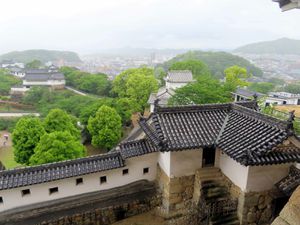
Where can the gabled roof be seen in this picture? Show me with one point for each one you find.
(289, 183)
(136, 148)
(179, 76)
(246, 135)
(163, 94)
(247, 93)
(56, 171)
(43, 76)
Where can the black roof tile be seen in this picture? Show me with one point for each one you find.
(56, 171)
(289, 183)
(136, 148)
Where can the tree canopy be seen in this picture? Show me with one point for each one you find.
(34, 64)
(137, 85)
(105, 127)
(7, 81)
(59, 120)
(197, 67)
(25, 137)
(205, 90)
(262, 87)
(57, 146)
(235, 77)
(97, 84)
(292, 88)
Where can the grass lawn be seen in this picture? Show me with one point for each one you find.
(288, 108)
(7, 157)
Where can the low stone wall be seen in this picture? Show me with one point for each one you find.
(177, 193)
(255, 208)
(98, 208)
(290, 215)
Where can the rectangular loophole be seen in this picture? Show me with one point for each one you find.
(146, 170)
(79, 181)
(103, 180)
(53, 190)
(25, 192)
(125, 171)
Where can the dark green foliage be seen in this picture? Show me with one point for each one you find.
(59, 120)
(281, 46)
(276, 81)
(105, 127)
(136, 85)
(97, 84)
(8, 124)
(42, 55)
(292, 88)
(57, 146)
(205, 90)
(216, 61)
(197, 67)
(44, 100)
(26, 136)
(7, 81)
(34, 64)
(262, 87)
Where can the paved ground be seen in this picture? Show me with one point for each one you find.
(149, 218)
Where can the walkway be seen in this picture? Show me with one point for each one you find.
(17, 114)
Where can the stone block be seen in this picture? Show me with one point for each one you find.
(279, 221)
(291, 214)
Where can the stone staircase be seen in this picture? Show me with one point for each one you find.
(215, 202)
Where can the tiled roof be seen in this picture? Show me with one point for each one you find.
(247, 136)
(136, 148)
(56, 171)
(247, 93)
(179, 76)
(43, 76)
(163, 95)
(288, 184)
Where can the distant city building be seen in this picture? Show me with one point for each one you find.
(175, 79)
(288, 4)
(178, 78)
(10, 63)
(283, 98)
(39, 77)
(242, 94)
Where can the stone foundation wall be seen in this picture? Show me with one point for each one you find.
(255, 208)
(97, 208)
(177, 193)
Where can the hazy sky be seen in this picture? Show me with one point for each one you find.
(87, 26)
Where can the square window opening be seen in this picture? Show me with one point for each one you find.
(146, 170)
(1, 200)
(25, 192)
(53, 190)
(103, 180)
(79, 181)
(125, 171)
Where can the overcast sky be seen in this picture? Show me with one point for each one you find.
(87, 26)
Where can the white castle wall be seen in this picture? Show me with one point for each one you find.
(237, 173)
(12, 198)
(180, 163)
(263, 178)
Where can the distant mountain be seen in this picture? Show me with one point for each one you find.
(42, 55)
(216, 61)
(282, 46)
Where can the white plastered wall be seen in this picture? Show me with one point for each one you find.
(67, 187)
(236, 172)
(262, 178)
(180, 163)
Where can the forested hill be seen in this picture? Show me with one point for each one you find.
(216, 61)
(42, 55)
(280, 46)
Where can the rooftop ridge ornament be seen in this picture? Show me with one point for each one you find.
(156, 104)
(290, 126)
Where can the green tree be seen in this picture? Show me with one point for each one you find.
(57, 146)
(235, 77)
(35, 64)
(125, 107)
(25, 137)
(137, 85)
(292, 88)
(205, 90)
(262, 87)
(59, 120)
(197, 67)
(7, 81)
(105, 127)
